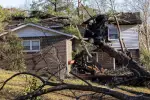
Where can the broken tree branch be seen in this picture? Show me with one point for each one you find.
(106, 91)
(119, 34)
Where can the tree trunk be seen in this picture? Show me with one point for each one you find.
(107, 91)
(124, 59)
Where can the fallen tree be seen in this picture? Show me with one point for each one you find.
(105, 91)
(124, 59)
(97, 30)
(58, 86)
(64, 86)
(133, 66)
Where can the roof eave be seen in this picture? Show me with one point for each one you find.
(48, 29)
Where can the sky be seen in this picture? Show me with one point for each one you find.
(19, 3)
(14, 3)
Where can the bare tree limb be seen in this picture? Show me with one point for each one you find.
(106, 91)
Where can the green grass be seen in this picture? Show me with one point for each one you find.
(137, 89)
(18, 85)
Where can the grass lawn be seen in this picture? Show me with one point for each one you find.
(19, 86)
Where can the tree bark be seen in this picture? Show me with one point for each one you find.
(106, 91)
(124, 59)
(119, 34)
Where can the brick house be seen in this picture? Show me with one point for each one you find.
(37, 39)
(56, 47)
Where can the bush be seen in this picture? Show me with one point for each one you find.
(11, 55)
(145, 58)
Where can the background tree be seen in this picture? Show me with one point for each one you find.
(105, 6)
(142, 6)
(52, 6)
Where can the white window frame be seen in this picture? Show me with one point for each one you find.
(31, 46)
(96, 57)
(109, 26)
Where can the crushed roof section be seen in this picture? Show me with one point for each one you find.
(128, 18)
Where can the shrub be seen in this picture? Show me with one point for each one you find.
(11, 55)
(145, 58)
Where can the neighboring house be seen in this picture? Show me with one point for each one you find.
(37, 39)
(129, 34)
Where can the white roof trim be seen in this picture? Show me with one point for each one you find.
(44, 28)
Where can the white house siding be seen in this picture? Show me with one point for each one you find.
(129, 34)
(33, 32)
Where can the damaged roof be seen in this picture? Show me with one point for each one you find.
(128, 18)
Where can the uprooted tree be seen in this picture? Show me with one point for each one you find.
(61, 85)
(93, 33)
(139, 74)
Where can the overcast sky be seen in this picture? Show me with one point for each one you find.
(14, 3)
(18, 3)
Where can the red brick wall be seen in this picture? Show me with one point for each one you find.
(107, 61)
(135, 54)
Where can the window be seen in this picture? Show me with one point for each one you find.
(112, 32)
(26, 45)
(31, 45)
(35, 45)
(95, 55)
